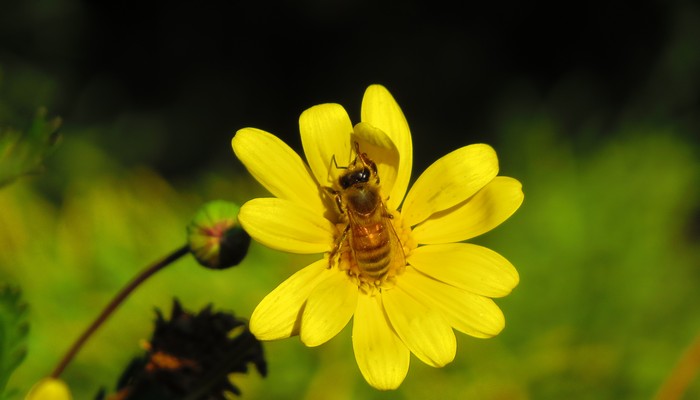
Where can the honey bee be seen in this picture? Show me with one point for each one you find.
(375, 247)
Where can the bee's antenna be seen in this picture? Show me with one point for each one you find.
(335, 163)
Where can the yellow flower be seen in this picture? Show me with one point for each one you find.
(418, 298)
(49, 389)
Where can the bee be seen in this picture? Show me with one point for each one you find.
(375, 247)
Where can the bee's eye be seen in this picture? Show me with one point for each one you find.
(346, 181)
(363, 176)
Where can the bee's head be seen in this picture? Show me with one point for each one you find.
(360, 175)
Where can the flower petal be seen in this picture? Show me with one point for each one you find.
(382, 357)
(277, 167)
(467, 266)
(278, 315)
(487, 209)
(325, 135)
(328, 309)
(449, 181)
(467, 312)
(381, 110)
(286, 226)
(424, 331)
(381, 149)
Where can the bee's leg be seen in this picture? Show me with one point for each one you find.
(330, 191)
(373, 167)
(335, 253)
(339, 241)
(385, 212)
(358, 154)
(367, 162)
(339, 203)
(336, 197)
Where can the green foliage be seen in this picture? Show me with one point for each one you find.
(605, 246)
(13, 332)
(22, 153)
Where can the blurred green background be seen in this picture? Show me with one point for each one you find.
(594, 107)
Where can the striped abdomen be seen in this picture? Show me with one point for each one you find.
(372, 247)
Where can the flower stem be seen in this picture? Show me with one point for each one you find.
(682, 375)
(116, 302)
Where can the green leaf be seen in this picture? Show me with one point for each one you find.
(22, 153)
(13, 332)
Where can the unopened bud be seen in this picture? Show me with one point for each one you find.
(215, 237)
(49, 389)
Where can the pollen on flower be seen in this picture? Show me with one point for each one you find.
(344, 258)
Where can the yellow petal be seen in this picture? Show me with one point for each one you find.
(382, 357)
(49, 389)
(328, 309)
(467, 312)
(277, 167)
(449, 181)
(487, 209)
(381, 149)
(381, 110)
(467, 266)
(424, 331)
(325, 134)
(278, 315)
(286, 226)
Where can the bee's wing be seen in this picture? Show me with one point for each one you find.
(396, 245)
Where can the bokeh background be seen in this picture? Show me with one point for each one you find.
(593, 106)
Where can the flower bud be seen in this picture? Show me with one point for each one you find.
(215, 237)
(49, 389)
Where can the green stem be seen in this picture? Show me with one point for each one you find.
(116, 302)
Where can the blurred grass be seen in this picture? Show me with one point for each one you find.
(610, 258)
(606, 245)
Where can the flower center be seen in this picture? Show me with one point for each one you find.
(373, 254)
